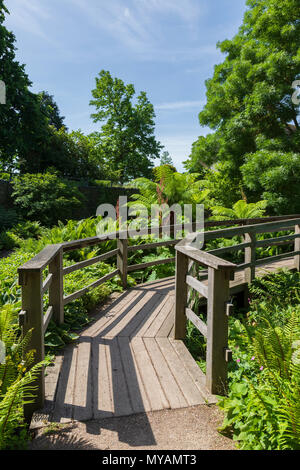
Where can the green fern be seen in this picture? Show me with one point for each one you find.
(16, 378)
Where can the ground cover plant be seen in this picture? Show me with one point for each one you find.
(262, 409)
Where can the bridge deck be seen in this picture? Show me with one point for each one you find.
(127, 362)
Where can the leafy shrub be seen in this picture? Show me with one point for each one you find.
(271, 175)
(46, 197)
(7, 242)
(27, 229)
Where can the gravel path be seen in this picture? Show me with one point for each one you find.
(182, 429)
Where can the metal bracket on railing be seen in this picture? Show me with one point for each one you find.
(22, 318)
(229, 308)
(228, 355)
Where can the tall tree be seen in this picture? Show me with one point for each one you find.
(12, 73)
(51, 110)
(249, 97)
(166, 159)
(24, 130)
(127, 134)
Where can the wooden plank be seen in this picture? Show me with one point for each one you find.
(205, 258)
(167, 307)
(112, 315)
(181, 292)
(41, 260)
(172, 391)
(83, 391)
(89, 262)
(197, 285)
(117, 327)
(136, 322)
(143, 330)
(32, 304)
(155, 393)
(138, 396)
(103, 406)
(122, 404)
(256, 228)
(194, 370)
(182, 377)
(122, 260)
(97, 283)
(165, 329)
(63, 410)
(297, 247)
(270, 259)
(217, 331)
(276, 241)
(199, 324)
(250, 257)
(47, 283)
(229, 249)
(56, 289)
(47, 318)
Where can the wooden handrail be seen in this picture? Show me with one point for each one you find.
(219, 273)
(217, 290)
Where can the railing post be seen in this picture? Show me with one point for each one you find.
(32, 305)
(217, 330)
(181, 291)
(122, 260)
(250, 256)
(297, 248)
(56, 289)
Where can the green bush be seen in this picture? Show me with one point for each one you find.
(275, 177)
(46, 198)
(7, 242)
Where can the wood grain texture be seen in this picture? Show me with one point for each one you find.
(127, 361)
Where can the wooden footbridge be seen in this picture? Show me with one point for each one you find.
(133, 359)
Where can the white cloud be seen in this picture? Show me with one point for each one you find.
(28, 15)
(138, 24)
(180, 105)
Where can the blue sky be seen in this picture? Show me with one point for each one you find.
(164, 47)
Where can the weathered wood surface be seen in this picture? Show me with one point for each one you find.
(127, 361)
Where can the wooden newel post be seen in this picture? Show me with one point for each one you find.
(56, 289)
(297, 247)
(122, 260)
(217, 331)
(181, 291)
(32, 318)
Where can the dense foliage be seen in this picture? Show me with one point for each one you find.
(127, 135)
(46, 197)
(250, 108)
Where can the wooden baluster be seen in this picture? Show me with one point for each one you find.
(122, 260)
(217, 330)
(250, 256)
(181, 291)
(56, 289)
(297, 248)
(32, 305)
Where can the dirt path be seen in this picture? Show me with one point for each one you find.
(182, 429)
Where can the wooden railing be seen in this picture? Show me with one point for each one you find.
(34, 286)
(219, 273)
